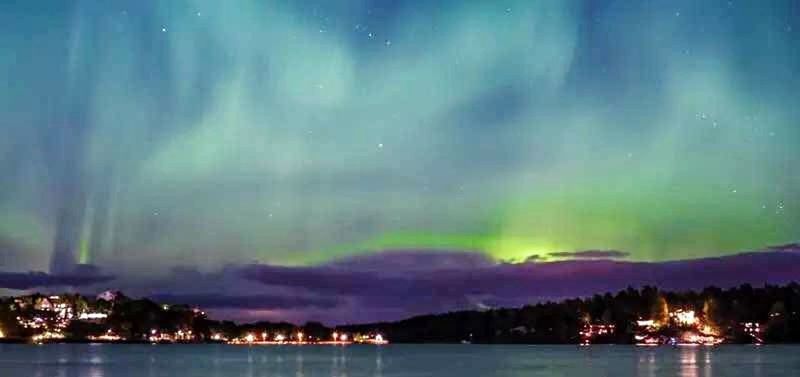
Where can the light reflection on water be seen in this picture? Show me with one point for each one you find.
(647, 364)
(688, 361)
(395, 360)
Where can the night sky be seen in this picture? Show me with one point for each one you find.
(366, 160)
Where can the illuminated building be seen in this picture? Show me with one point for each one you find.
(182, 335)
(43, 304)
(109, 336)
(47, 335)
(691, 338)
(754, 330)
(647, 340)
(645, 323)
(684, 317)
(379, 340)
(339, 337)
(92, 316)
(107, 296)
(590, 331)
(370, 339)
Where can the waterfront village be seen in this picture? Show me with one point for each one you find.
(111, 317)
(682, 328)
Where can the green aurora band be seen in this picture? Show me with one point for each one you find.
(200, 133)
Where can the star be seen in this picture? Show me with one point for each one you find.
(380, 145)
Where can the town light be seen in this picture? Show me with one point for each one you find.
(250, 338)
(685, 317)
(92, 316)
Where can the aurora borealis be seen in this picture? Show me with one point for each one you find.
(142, 138)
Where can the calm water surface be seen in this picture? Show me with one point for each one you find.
(395, 360)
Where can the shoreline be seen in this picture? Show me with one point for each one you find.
(352, 344)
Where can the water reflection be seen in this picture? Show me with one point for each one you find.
(693, 360)
(299, 362)
(378, 363)
(707, 363)
(395, 360)
(338, 362)
(95, 371)
(688, 362)
(758, 363)
(647, 364)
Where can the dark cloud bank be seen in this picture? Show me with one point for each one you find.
(81, 275)
(397, 284)
(591, 254)
(249, 302)
(425, 285)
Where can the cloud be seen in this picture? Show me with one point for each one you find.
(533, 258)
(82, 275)
(398, 284)
(591, 254)
(249, 302)
(529, 259)
(416, 288)
(414, 260)
(787, 247)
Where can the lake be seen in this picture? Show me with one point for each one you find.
(114, 360)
